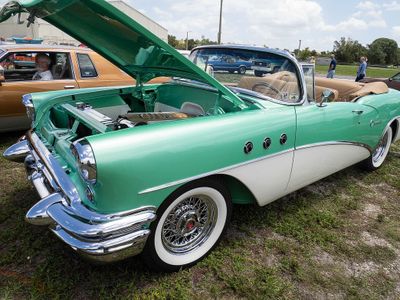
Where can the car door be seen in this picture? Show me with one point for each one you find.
(95, 71)
(394, 82)
(331, 137)
(12, 112)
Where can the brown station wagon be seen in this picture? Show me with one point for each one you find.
(71, 68)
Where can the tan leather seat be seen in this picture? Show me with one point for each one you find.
(370, 88)
(344, 87)
(278, 85)
(349, 90)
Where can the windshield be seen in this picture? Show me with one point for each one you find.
(1, 52)
(262, 73)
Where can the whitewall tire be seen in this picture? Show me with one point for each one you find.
(380, 153)
(189, 225)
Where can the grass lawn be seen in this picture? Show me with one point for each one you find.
(336, 239)
(347, 70)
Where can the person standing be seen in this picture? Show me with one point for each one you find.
(332, 67)
(362, 69)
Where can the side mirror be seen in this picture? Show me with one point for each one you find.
(326, 96)
(390, 79)
(2, 78)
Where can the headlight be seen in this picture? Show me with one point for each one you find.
(30, 109)
(84, 156)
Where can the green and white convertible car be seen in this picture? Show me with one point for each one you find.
(155, 168)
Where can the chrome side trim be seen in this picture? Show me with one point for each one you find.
(188, 179)
(332, 143)
(184, 180)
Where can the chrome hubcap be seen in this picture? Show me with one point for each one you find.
(380, 150)
(189, 224)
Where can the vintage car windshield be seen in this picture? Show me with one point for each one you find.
(264, 74)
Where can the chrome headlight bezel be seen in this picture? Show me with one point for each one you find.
(86, 162)
(30, 108)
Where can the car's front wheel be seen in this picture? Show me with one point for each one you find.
(190, 224)
(242, 70)
(380, 153)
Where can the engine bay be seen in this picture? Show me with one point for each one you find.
(120, 109)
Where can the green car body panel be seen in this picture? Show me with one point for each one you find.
(259, 148)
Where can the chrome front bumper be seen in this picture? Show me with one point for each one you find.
(99, 237)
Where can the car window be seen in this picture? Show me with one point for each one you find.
(396, 77)
(309, 76)
(265, 73)
(21, 66)
(86, 66)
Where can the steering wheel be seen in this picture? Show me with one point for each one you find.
(260, 88)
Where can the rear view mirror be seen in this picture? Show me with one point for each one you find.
(2, 78)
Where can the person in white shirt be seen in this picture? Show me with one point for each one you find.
(43, 62)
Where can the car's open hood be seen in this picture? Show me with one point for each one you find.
(115, 36)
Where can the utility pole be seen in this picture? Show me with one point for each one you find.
(187, 40)
(220, 23)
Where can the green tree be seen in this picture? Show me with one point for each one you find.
(348, 50)
(383, 51)
(172, 41)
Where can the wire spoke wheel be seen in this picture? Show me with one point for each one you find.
(190, 223)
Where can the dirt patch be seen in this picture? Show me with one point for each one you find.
(372, 211)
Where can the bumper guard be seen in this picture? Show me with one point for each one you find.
(99, 237)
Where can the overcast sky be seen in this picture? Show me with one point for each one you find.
(277, 23)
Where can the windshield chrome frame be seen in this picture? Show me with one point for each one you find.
(285, 54)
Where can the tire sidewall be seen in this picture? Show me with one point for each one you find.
(157, 256)
(386, 151)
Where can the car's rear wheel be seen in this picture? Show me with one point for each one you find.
(190, 224)
(242, 70)
(380, 153)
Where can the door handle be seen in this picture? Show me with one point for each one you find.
(69, 87)
(358, 112)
